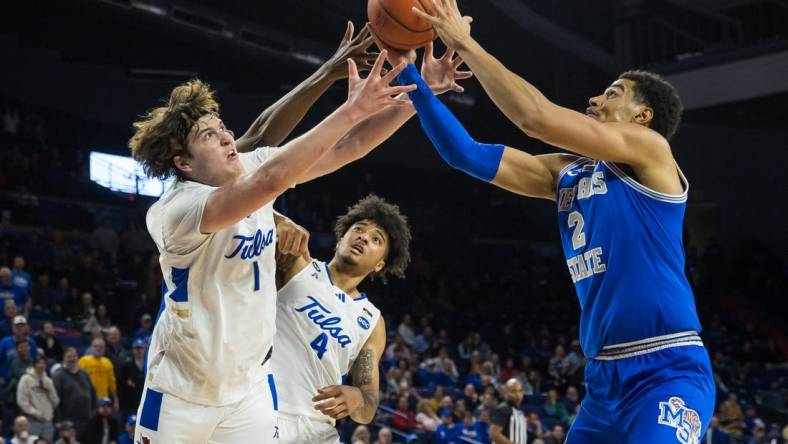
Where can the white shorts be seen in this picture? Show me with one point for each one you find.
(166, 419)
(301, 430)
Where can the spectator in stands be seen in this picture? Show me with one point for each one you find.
(448, 431)
(404, 418)
(384, 436)
(554, 408)
(8, 345)
(471, 397)
(437, 396)
(127, 437)
(473, 430)
(98, 319)
(405, 329)
(102, 427)
(132, 378)
(507, 422)
(474, 376)
(48, 342)
(67, 433)
(488, 403)
(759, 433)
(426, 417)
(360, 435)
(9, 313)
(101, 372)
(146, 329)
(424, 340)
(731, 416)
(508, 371)
(114, 349)
(85, 310)
(37, 398)
(9, 290)
(105, 238)
(431, 374)
(21, 433)
(715, 433)
(75, 390)
(397, 350)
(535, 427)
(19, 365)
(22, 278)
(556, 435)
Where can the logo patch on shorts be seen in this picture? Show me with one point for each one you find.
(363, 322)
(686, 421)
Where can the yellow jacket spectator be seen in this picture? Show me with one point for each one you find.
(101, 372)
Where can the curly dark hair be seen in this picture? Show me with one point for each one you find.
(161, 135)
(658, 94)
(387, 217)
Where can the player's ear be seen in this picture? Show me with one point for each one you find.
(182, 163)
(644, 116)
(379, 266)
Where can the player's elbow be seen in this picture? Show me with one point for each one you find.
(533, 123)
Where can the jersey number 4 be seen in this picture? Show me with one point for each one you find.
(319, 344)
(578, 237)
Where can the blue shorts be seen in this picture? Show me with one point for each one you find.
(666, 396)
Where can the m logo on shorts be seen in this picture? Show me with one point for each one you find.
(686, 421)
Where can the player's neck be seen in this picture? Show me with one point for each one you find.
(344, 278)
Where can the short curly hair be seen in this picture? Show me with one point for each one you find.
(161, 135)
(387, 217)
(658, 94)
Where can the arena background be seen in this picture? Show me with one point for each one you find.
(487, 268)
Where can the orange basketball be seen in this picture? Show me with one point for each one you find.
(395, 24)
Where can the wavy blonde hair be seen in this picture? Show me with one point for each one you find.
(161, 134)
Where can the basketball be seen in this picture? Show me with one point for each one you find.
(395, 24)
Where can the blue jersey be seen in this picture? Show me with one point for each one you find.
(623, 247)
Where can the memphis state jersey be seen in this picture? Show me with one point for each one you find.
(217, 318)
(623, 247)
(320, 331)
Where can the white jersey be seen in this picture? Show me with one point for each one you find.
(217, 319)
(320, 331)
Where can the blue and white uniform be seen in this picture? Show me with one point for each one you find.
(649, 377)
(320, 332)
(207, 377)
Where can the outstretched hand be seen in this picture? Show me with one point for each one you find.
(442, 74)
(354, 48)
(366, 96)
(452, 27)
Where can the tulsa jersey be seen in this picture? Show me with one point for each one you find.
(217, 318)
(320, 331)
(623, 247)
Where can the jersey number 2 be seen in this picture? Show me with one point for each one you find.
(319, 344)
(578, 237)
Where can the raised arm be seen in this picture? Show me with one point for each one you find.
(506, 167)
(537, 116)
(440, 74)
(274, 124)
(359, 401)
(232, 202)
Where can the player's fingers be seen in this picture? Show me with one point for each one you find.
(396, 102)
(395, 90)
(428, 51)
(325, 407)
(438, 8)
(425, 16)
(339, 412)
(449, 54)
(375, 71)
(348, 32)
(352, 71)
(363, 39)
(303, 246)
(457, 62)
(362, 35)
(388, 78)
(457, 88)
(459, 75)
(468, 19)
